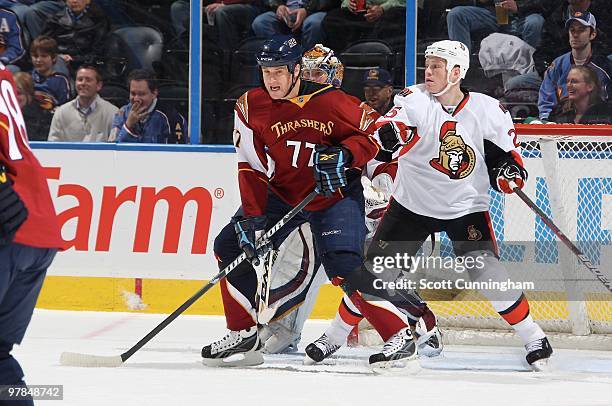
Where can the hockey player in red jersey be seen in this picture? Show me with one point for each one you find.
(29, 231)
(453, 144)
(282, 132)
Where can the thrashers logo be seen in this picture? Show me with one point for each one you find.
(455, 158)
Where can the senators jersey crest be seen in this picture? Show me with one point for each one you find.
(455, 158)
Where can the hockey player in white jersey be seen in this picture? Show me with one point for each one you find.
(452, 145)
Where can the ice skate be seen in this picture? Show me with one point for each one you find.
(237, 348)
(538, 354)
(320, 349)
(398, 354)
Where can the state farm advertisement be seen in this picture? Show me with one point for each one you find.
(145, 214)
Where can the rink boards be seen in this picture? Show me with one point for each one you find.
(141, 221)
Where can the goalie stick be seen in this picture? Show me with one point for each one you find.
(548, 221)
(87, 360)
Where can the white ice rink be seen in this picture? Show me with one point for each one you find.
(168, 370)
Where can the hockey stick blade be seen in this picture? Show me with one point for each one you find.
(86, 360)
(73, 359)
(575, 250)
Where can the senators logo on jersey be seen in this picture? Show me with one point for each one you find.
(455, 158)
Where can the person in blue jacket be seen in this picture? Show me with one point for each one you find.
(582, 29)
(11, 39)
(145, 119)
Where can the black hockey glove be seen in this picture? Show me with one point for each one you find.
(329, 164)
(505, 171)
(12, 210)
(389, 138)
(247, 232)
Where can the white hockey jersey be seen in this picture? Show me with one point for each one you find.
(441, 170)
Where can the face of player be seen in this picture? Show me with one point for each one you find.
(315, 75)
(277, 80)
(378, 97)
(577, 86)
(77, 6)
(580, 36)
(43, 63)
(87, 84)
(436, 75)
(140, 93)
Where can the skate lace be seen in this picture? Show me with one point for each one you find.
(395, 343)
(326, 345)
(231, 339)
(535, 345)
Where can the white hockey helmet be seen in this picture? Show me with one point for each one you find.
(455, 53)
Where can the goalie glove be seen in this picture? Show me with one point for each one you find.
(13, 212)
(248, 230)
(329, 163)
(507, 170)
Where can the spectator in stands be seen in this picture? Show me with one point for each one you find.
(87, 118)
(232, 18)
(295, 17)
(582, 30)
(11, 43)
(382, 19)
(37, 120)
(554, 35)
(34, 13)
(51, 88)
(145, 119)
(526, 21)
(583, 104)
(80, 30)
(378, 90)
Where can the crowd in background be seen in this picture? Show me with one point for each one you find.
(117, 71)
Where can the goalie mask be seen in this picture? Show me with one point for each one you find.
(455, 53)
(320, 65)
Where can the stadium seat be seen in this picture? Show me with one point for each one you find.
(115, 93)
(368, 53)
(140, 45)
(244, 69)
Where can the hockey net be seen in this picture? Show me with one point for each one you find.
(570, 179)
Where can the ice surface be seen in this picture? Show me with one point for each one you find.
(168, 371)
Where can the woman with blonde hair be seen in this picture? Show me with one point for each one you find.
(584, 103)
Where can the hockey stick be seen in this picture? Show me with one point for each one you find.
(86, 360)
(265, 313)
(583, 258)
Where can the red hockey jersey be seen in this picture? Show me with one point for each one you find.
(41, 229)
(275, 141)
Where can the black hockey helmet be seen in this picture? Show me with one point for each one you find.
(280, 50)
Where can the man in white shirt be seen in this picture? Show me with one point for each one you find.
(87, 118)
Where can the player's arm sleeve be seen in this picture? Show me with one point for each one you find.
(384, 162)
(252, 167)
(360, 143)
(500, 138)
(547, 96)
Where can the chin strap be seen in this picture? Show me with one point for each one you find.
(448, 85)
(294, 81)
